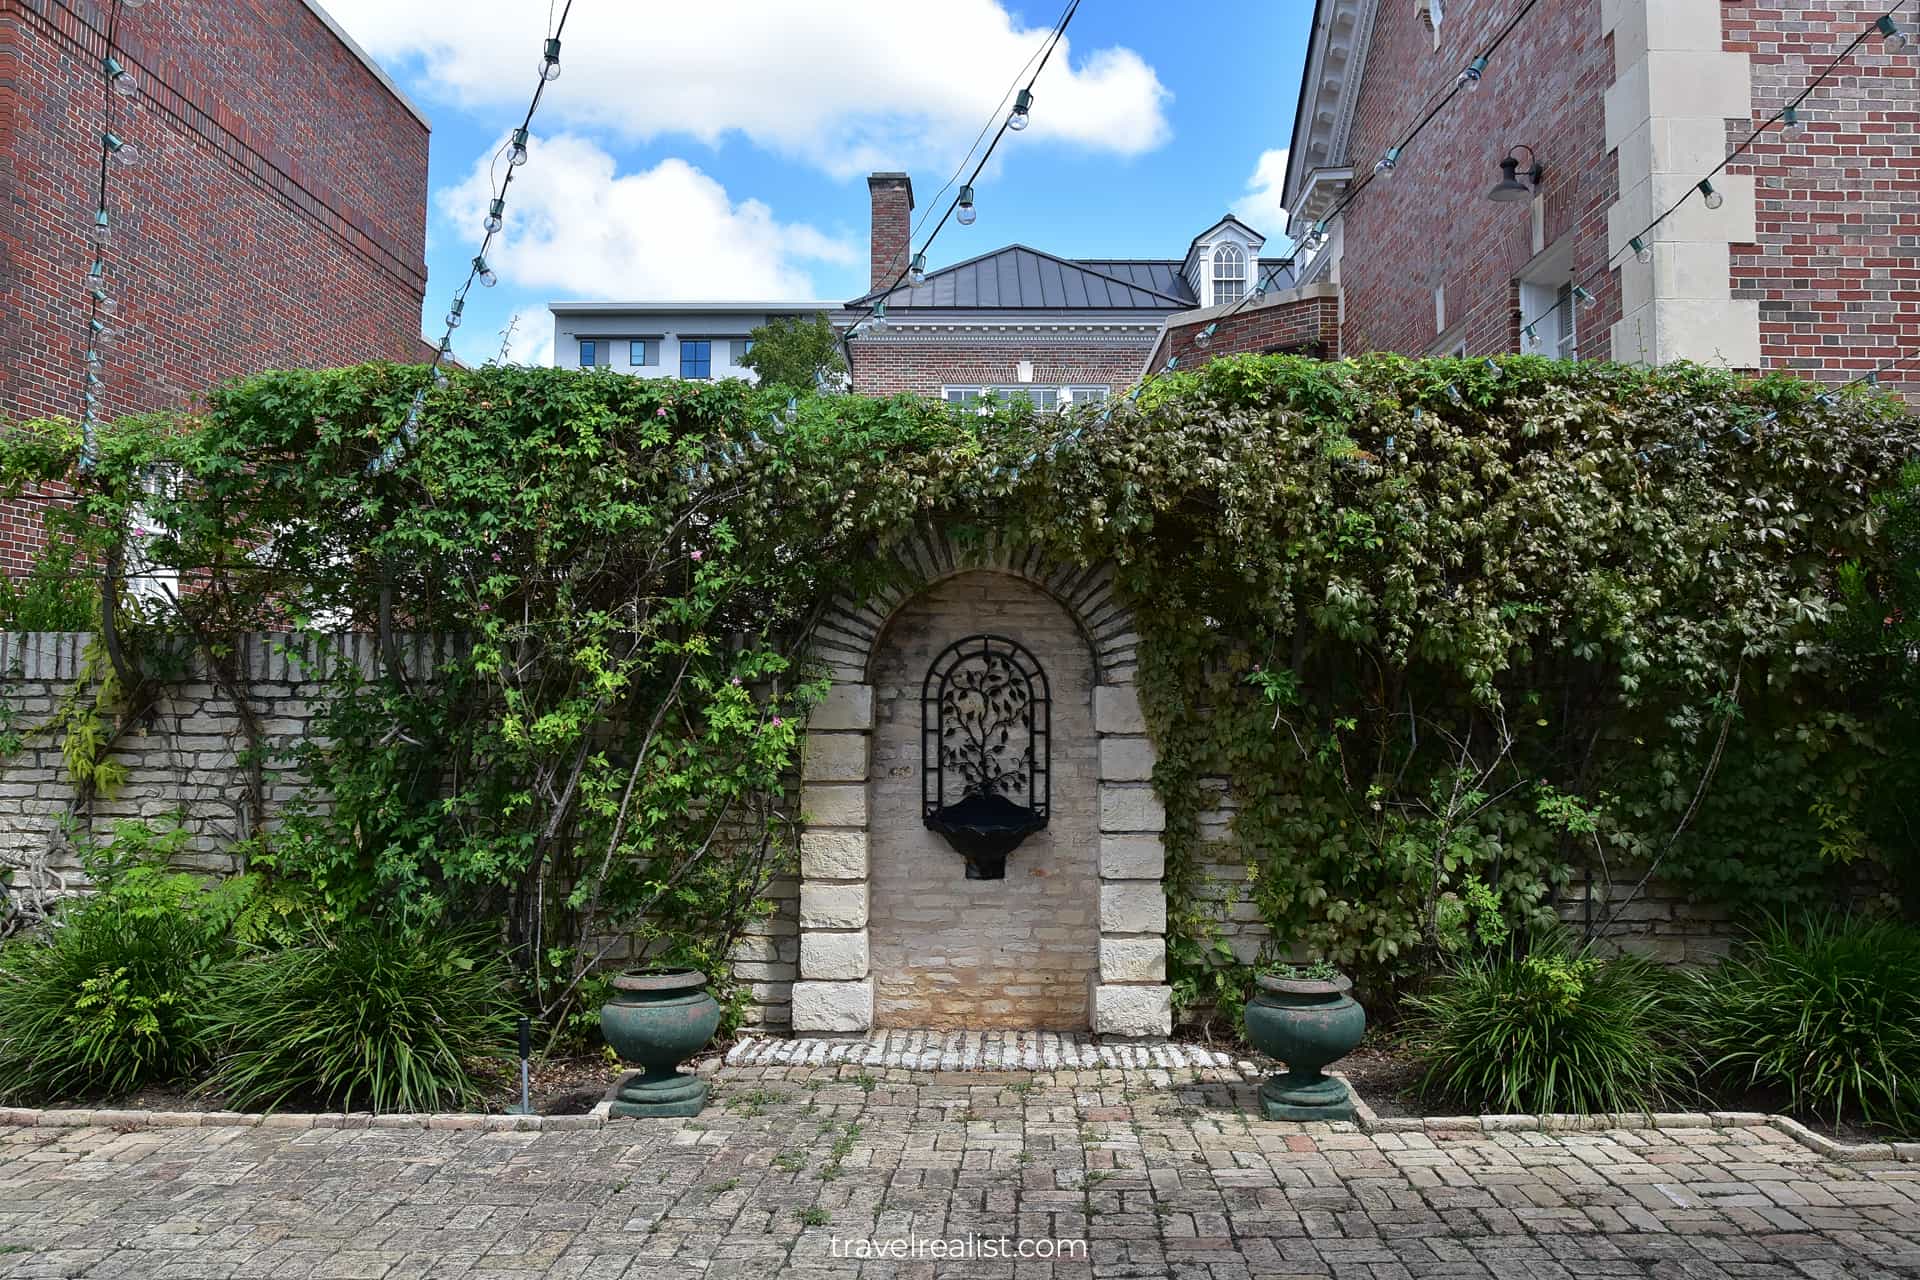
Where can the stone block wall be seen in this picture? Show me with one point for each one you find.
(182, 756)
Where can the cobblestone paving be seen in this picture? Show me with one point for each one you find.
(1161, 1174)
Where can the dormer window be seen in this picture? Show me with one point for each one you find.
(1229, 274)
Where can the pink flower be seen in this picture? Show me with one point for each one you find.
(699, 556)
(776, 722)
(735, 682)
(496, 557)
(661, 412)
(486, 608)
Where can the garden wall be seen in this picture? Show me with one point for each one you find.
(185, 754)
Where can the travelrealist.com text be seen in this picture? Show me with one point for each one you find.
(911, 1246)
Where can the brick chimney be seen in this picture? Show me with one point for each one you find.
(892, 195)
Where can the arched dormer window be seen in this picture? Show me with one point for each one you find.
(1229, 274)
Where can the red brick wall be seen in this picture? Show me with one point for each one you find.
(890, 365)
(276, 219)
(1431, 224)
(1836, 265)
(1307, 326)
(892, 198)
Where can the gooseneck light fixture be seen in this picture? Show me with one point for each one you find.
(1510, 190)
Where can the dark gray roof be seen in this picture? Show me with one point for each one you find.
(1018, 278)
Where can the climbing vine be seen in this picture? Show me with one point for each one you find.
(1440, 635)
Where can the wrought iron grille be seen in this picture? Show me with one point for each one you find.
(986, 749)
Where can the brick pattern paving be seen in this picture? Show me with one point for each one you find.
(977, 1051)
(1162, 1173)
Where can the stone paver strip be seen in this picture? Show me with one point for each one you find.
(1161, 1172)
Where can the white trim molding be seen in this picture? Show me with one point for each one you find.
(1674, 88)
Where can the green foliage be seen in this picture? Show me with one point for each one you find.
(369, 1020)
(797, 354)
(1554, 1029)
(106, 1000)
(1825, 1011)
(1450, 635)
(55, 594)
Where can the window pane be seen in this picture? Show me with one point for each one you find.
(586, 355)
(1089, 395)
(696, 358)
(644, 353)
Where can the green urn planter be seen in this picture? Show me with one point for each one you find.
(1305, 1023)
(659, 1018)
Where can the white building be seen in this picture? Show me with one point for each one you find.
(668, 339)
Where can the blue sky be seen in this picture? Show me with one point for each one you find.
(721, 150)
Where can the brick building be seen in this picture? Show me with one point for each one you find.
(1016, 321)
(1811, 265)
(276, 217)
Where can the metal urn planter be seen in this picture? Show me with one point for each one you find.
(1306, 1023)
(659, 1018)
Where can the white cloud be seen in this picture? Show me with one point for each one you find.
(531, 341)
(669, 232)
(848, 86)
(1260, 207)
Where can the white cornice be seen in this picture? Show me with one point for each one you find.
(1329, 90)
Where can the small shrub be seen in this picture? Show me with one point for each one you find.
(1553, 1030)
(103, 1001)
(1826, 1011)
(402, 1020)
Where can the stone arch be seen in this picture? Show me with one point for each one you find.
(1128, 994)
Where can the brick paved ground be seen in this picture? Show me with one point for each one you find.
(1161, 1179)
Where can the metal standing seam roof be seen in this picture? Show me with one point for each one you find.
(1018, 278)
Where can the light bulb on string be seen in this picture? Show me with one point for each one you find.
(1204, 338)
(877, 323)
(1641, 249)
(1585, 299)
(1892, 38)
(124, 153)
(1385, 165)
(1708, 196)
(1022, 108)
(453, 313)
(102, 231)
(496, 216)
(1470, 78)
(95, 361)
(99, 330)
(105, 303)
(917, 270)
(517, 154)
(550, 61)
(1790, 118)
(1493, 367)
(123, 81)
(484, 273)
(964, 212)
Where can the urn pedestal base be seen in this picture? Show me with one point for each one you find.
(643, 1096)
(1299, 1097)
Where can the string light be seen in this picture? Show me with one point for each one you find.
(1708, 196)
(1204, 338)
(484, 273)
(963, 209)
(496, 216)
(1385, 165)
(517, 155)
(877, 322)
(1789, 117)
(122, 81)
(124, 153)
(1891, 36)
(1470, 78)
(550, 61)
(102, 228)
(1641, 249)
(1022, 110)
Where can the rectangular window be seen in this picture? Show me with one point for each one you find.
(696, 358)
(1547, 320)
(643, 353)
(1038, 396)
(740, 348)
(588, 354)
